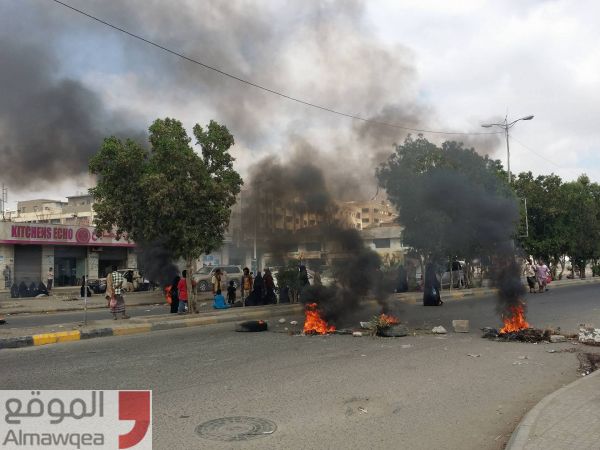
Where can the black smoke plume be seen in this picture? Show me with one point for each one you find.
(156, 263)
(51, 120)
(50, 125)
(302, 187)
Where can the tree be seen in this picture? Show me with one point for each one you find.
(452, 202)
(582, 203)
(547, 236)
(168, 195)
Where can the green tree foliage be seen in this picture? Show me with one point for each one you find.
(452, 202)
(168, 194)
(582, 202)
(563, 218)
(547, 234)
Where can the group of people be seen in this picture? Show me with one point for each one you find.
(254, 290)
(537, 273)
(178, 294)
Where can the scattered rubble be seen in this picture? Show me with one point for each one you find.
(460, 326)
(531, 335)
(472, 355)
(588, 362)
(557, 338)
(394, 331)
(589, 336)
(282, 320)
(252, 326)
(439, 330)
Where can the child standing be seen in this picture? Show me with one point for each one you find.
(231, 293)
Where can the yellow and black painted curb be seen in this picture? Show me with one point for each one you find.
(195, 321)
(137, 328)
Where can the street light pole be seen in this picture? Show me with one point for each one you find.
(506, 125)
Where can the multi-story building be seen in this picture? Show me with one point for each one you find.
(77, 210)
(45, 233)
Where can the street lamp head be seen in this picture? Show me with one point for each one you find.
(486, 125)
(527, 118)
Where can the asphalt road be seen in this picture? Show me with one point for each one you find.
(24, 320)
(552, 308)
(326, 392)
(564, 307)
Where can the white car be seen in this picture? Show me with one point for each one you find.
(458, 275)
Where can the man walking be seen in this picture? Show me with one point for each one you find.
(246, 284)
(49, 279)
(117, 302)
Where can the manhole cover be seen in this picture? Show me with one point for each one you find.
(236, 428)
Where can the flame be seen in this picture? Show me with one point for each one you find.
(389, 319)
(313, 323)
(516, 321)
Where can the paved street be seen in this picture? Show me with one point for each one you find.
(557, 307)
(418, 392)
(564, 307)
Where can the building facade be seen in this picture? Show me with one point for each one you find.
(28, 250)
(77, 210)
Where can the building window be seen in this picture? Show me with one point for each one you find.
(313, 222)
(289, 219)
(382, 243)
(375, 211)
(365, 220)
(376, 220)
(365, 210)
(358, 215)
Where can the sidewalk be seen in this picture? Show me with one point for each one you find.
(67, 300)
(566, 419)
(26, 337)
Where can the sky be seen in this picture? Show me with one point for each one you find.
(444, 66)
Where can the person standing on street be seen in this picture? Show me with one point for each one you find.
(117, 302)
(246, 283)
(529, 272)
(270, 297)
(50, 279)
(174, 292)
(218, 282)
(183, 293)
(542, 272)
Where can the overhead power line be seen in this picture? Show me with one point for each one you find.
(264, 88)
(549, 161)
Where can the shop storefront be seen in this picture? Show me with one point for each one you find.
(27, 251)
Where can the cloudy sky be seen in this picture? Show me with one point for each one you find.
(68, 81)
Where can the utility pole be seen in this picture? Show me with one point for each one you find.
(506, 125)
(4, 200)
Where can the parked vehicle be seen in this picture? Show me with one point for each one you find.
(134, 281)
(98, 286)
(203, 276)
(458, 275)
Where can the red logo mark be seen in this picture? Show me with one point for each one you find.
(83, 235)
(134, 405)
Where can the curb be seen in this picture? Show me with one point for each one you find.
(125, 330)
(15, 311)
(520, 437)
